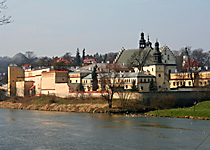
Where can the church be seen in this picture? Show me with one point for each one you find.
(156, 61)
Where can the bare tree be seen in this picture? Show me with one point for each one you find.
(43, 62)
(139, 59)
(124, 94)
(30, 56)
(4, 19)
(108, 83)
(67, 56)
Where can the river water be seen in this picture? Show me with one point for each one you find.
(42, 130)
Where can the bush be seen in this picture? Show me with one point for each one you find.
(2, 95)
(52, 100)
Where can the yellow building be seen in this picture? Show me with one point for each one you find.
(124, 80)
(15, 74)
(187, 79)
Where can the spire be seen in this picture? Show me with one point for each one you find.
(185, 51)
(157, 54)
(148, 44)
(157, 46)
(142, 42)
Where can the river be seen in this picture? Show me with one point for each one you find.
(42, 130)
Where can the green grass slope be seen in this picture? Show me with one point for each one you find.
(199, 111)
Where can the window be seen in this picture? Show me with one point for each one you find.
(168, 57)
(200, 83)
(70, 81)
(76, 81)
(174, 83)
(142, 87)
(189, 83)
(145, 80)
(181, 83)
(126, 86)
(159, 75)
(152, 69)
(177, 83)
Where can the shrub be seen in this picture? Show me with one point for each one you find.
(52, 100)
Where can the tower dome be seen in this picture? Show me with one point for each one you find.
(142, 42)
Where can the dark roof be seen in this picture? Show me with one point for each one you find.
(126, 56)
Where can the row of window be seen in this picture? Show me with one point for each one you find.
(189, 83)
(181, 83)
(146, 80)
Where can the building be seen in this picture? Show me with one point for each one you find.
(159, 62)
(190, 79)
(15, 74)
(37, 82)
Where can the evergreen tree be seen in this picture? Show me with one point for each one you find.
(83, 54)
(105, 57)
(94, 79)
(78, 59)
(134, 87)
(151, 86)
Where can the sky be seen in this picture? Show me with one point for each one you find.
(54, 27)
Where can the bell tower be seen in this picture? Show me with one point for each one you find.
(142, 42)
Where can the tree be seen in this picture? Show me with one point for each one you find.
(78, 59)
(43, 62)
(124, 94)
(134, 87)
(83, 54)
(139, 58)
(152, 86)
(67, 56)
(60, 66)
(30, 56)
(192, 65)
(4, 19)
(200, 55)
(108, 80)
(94, 79)
(105, 57)
(2, 95)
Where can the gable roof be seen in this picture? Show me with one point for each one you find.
(126, 55)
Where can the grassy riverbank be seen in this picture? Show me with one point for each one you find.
(90, 104)
(199, 111)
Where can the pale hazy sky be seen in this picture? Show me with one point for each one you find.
(53, 27)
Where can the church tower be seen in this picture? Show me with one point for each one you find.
(148, 44)
(185, 57)
(158, 70)
(142, 42)
(157, 54)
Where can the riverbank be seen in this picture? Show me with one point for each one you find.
(200, 111)
(51, 103)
